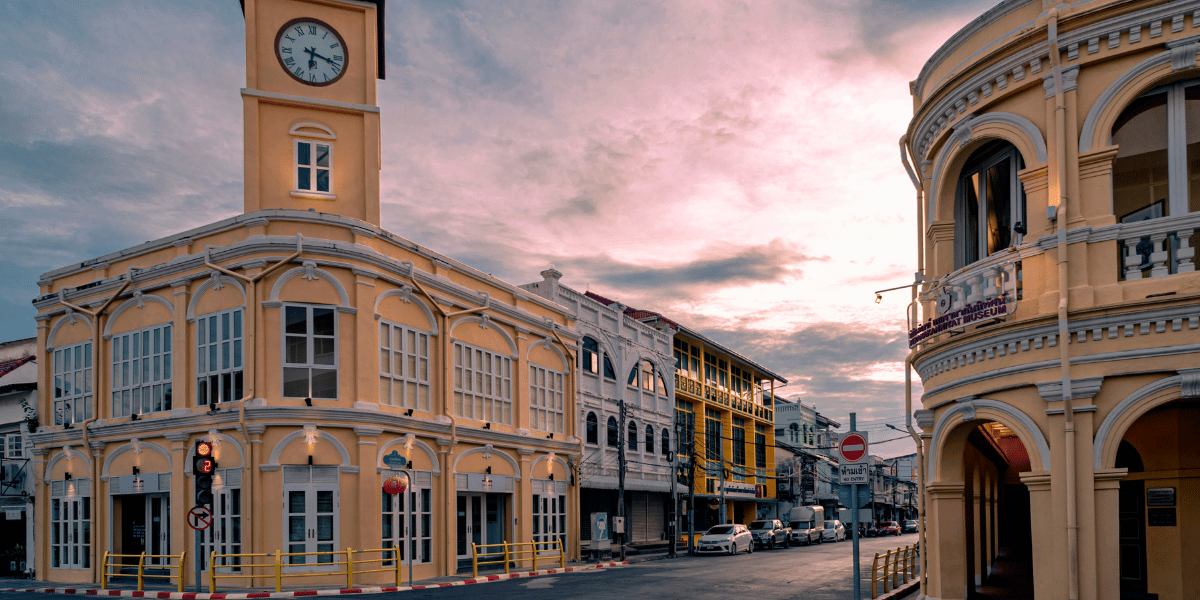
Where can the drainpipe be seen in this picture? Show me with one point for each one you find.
(253, 314)
(913, 319)
(1060, 157)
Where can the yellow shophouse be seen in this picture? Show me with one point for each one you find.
(318, 352)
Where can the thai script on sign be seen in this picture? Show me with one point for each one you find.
(967, 315)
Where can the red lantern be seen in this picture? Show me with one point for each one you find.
(395, 485)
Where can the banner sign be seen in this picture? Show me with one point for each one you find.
(967, 315)
(735, 489)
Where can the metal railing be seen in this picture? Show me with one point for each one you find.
(388, 560)
(142, 575)
(518, 552)
(898, 567)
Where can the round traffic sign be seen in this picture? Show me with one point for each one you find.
(199, 518)
(853, 447)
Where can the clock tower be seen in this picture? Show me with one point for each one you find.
(309, 107)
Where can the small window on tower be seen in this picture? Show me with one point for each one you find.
(313, 167)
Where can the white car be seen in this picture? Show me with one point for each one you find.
(726, 539)
(834, 531)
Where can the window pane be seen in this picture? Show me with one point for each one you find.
(323, 350)
(324, 383)
(1140, 169)
(303, 153)
(297, 350)
(1192, 108)
(295, 383)
(999, 224)
(322, 180)
(323, 321)
(295, 320)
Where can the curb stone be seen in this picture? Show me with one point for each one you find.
(296, 594)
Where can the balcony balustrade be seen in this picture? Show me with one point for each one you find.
(723, 397)
(1157, 247)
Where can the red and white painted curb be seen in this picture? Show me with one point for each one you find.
(363, 590)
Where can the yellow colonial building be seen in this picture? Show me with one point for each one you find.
(723, 405)
(1055, 154)
(318, 352)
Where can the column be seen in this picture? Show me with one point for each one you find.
(253, 535)
(182, 536)
(449, 554)
(369, 530)
(366, 372)
(523, 497)
(947, 560)
(1049, 542)
(1107, 494)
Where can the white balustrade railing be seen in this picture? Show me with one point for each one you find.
(995, 276)
(1158, 247)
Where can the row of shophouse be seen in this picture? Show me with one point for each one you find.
(320, 355)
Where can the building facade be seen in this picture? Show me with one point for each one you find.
(626, 398)
(18, 418)
(727, 431)
(804, 440)
(1054, 148)
(319, 353)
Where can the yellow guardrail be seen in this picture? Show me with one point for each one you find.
(142, 575)
(388, 560)
(899, 566)
(518, 552)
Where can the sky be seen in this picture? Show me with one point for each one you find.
(732, 165)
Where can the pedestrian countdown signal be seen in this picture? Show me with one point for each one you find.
(203, 468)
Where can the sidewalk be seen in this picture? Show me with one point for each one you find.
(126, 587)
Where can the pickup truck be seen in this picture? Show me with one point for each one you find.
(769, 533)
(808, 524)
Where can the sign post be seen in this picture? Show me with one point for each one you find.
(853, 453)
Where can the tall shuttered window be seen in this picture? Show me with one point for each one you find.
(219, 357)
(482, 385)
(141, 371)
(310, 352)
(545, 399)
(73, 384)
(403, 366)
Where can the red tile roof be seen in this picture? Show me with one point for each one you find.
(8, 366)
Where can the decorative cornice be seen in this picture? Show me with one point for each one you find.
(177, 436)
(364, 431)
(1189, 384)
(1082, 388)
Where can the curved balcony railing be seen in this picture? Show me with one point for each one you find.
(1154, 248)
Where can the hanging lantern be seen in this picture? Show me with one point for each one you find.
(395, 485)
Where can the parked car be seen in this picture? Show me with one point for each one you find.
(834, 531)
(889, 528)
(910, 526)
(769, 533)
(727, 539)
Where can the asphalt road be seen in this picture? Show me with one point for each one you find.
(819, 572)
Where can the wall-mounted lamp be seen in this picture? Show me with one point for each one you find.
(408, 413)
(136, 471)
(310, 460)
(488, 470)
(133, 416)
(487, 425)
(550, 437)
(878, 298)
(552, 477)
(308, 401)
(67, 476)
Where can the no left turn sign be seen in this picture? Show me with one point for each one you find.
(199, 518)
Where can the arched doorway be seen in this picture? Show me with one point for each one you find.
(979, 512)
(1158, 503)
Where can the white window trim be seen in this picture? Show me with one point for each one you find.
(312, 194)
(546, 400)
(81, 394)
(1017, 206)
(422, 402)
(78, 492)
(555, 514)
(311, 565)
(421, 481)
(235, 341)
(501, 405)
(163, 357)
(283, 335)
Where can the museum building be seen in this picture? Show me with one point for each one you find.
(318, 353)
(1055, 149)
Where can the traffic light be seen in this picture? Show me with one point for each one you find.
(203, 467)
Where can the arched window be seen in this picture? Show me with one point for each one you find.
(633, 442)
(662, 386)
(989, 209)
(666, 441)
(589, 357)
(612, 432)
(593, 429)
(794, 432)
(633, 377)
(647, 376)
(609, 371)
(1158, 156)
(650, 439)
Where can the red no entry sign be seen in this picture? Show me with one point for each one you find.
(852, 447)
(199, 518)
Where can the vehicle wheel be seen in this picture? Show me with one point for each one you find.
(821, 540)
(732, 549)
(772, 546)
(787, 542)
(750, 549)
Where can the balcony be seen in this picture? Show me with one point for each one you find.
(724, 398)
(1154, 248)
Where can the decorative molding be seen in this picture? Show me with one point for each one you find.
(436, 465)
(324, 436)
(65, 452)
(308, 101)
(487, 452)
(1183, 53)
(122, 449)
(1189, 382)
(483, 320)
(1016, 420)
(309, 270)
(1088, 131)
(1105, 436)
(69, 317)
(1082, 388)
(406, 295)
(322, 132)
(216, 281)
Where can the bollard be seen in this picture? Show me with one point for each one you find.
(349, 569)
(104, 572)
(278, 573)
(562, 557)
(141, 576)
(399, 580)
(212, 571)
(182, 558)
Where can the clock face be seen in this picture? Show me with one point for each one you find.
(311, 52)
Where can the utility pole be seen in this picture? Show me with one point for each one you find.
(691, 478)
(674, 536)
(621, 476)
